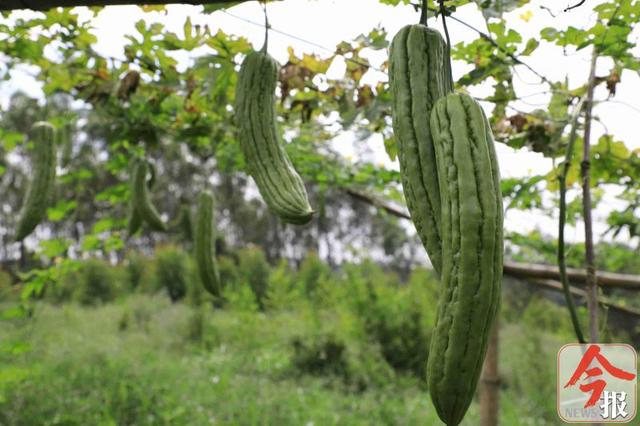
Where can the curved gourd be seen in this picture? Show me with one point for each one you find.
(40, 192)
(279, 183)
(141, 198)
(134, 222)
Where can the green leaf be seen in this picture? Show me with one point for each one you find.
(60, 210)
(103, 225)
(9, 140)
(532, 45)
(90, 242)
(391, 147)
(54, 248)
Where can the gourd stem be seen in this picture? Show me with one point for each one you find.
(590, 257)
(562, 267)
(266, 27)
(424, 14)
(443, 11)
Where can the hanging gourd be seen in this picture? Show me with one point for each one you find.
(40, 192)
(280, 185)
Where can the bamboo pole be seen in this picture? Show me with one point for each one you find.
(517, 269)
(556, 286)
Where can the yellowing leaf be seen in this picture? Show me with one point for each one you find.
(314, 64)
(526, 16)
(619, 149)
(292, 55)
(152, 8)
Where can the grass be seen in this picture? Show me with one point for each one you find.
(85, 367)
(145, 361)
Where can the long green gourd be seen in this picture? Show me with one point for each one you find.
(65, 137)
(204, 245)
(419, 75)
(40, 192)
(279, 183)
(141, 199)
(472, 250)
(135, 221)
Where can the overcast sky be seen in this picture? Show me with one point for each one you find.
(327, 22)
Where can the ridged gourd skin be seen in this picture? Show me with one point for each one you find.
(279, 183)
(141, 198)
(419, 75)
(204, 245)
(472, 252)
(134, 220)
(40, 192)
(65, 136)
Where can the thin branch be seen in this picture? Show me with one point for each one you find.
(590, 257)
(575, 5)
(615, 101)
(562, 178)
(378, 203)
(553, 15)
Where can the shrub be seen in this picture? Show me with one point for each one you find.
(312, 276)
(65, 288)
(530, 347)
(241, 298)
(96, 283)
(136, 266)
(229, 274)
(196, 325)
(7, 290)
(255, 270)
(321, 356)
(172, 272)
(335, 352)
(281, 292)
(399, 318)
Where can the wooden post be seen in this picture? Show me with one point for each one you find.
(490, 381)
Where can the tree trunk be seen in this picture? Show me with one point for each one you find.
(48, 4)
(490, 381)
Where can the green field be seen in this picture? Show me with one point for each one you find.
(345, 347)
